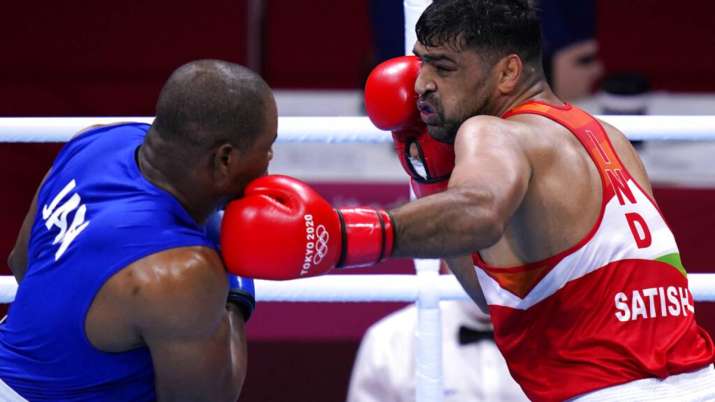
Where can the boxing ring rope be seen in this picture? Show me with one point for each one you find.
(426, 288)
(371, 288)
(352, 129)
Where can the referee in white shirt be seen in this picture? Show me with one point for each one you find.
(473, 368)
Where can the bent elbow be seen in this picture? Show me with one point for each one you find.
(227, 388)
(239, 379)
(17, 263)
(486, 225)
(492, 230)
(12, 261)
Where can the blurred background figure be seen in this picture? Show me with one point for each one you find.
(624, 94)
(571, 61)
(388, 29)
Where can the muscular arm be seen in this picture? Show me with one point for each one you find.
(197, 343)
(487, 185)
(17, 260)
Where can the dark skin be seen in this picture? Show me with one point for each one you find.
(522, 189)
(174, 302)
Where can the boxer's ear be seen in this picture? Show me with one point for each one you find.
(224, 156)
(508, 72)
(224, 162)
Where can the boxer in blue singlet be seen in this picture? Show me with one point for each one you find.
(122, 294)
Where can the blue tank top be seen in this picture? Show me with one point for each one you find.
(96, 214)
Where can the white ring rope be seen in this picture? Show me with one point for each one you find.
(371, 288)
(351, 129)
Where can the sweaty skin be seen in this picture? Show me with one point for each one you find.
(522, 189)
(174, 302)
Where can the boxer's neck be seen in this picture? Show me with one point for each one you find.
(152, 163)
(537, 90)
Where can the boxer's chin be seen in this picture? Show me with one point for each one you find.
(443, 133)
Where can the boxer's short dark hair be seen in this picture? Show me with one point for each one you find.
(208, 102)
(494, 28)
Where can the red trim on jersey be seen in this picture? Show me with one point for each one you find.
(561, 115)
(650, 198)
(564, 106)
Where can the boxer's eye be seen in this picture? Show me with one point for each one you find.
(442, 71)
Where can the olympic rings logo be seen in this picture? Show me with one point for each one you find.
(316, 244)
(321, 246)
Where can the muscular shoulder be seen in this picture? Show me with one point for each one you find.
(618, 139)
(177, 290)
(628, 155)
(99, 126)
(486, 125)
(493, 131)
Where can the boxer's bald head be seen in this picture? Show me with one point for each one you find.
(205, 102)
(213, 133)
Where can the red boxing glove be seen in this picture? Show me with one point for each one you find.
(428, 162)
(390, 101)
(283, 229)
(390, 97)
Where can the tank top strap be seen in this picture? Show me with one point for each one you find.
(590, 133)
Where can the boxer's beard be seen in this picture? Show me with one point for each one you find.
(446, 131)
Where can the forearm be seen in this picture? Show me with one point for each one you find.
(17, 260)
(448, 224)
(239, 359)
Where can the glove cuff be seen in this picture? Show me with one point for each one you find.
(367, 237)
(241, 293)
